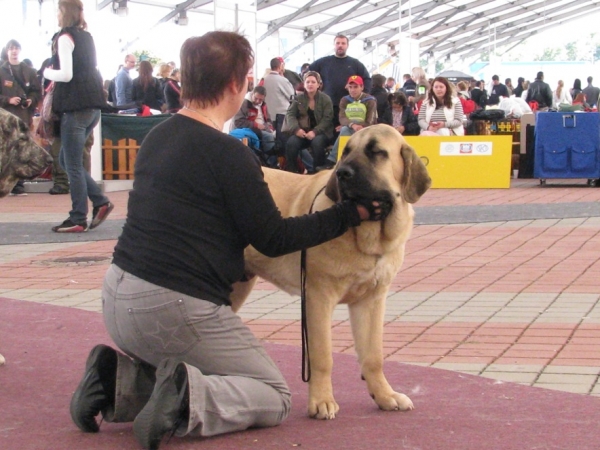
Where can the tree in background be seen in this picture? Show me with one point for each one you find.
(146, 55)
(571, 51)
(549, 54)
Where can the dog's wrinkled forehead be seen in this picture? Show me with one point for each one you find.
(11, 127)
(375, 143)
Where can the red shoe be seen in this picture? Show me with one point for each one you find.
(68, 226)
(100, 214)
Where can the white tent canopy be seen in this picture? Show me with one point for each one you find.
(303, 30)
(447, 27)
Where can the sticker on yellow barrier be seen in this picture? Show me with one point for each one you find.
(466, 148)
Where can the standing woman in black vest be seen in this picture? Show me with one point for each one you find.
(78, 97)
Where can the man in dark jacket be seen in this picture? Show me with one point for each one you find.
(409, 87)
(20, 91)
(540, 92)
(479, 94)
(384, 112)
(591, 93)
(498, 90)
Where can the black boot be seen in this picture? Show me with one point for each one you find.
(168, 407)
(97, 388)
(114, 385)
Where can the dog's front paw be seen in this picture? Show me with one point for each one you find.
(323, 409)
(395, 402)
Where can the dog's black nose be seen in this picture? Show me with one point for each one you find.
(344, 172)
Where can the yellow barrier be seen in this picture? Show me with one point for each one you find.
(462, 161)
(343, 141)
(465, 161)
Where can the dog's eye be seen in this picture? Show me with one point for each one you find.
(372, 150)
(375, 152)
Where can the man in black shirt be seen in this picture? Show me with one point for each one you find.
(479, 95)
(498, 90)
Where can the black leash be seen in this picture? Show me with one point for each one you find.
(303, 324)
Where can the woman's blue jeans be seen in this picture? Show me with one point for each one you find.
(75, 127)
(294, 146)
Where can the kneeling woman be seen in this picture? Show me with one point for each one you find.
(189, 364)
(310, 120)
(441, 113)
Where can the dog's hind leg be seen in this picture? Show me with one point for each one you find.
(366, 319)
(241, 290)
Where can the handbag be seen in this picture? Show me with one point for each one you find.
(285, 126)
(48, 119)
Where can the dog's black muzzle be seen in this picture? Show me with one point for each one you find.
(353, 185)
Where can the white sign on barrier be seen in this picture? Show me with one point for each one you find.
(466, 148)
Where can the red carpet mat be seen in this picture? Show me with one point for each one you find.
(46, 346)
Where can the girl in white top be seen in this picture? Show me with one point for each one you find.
(441, 113)
(561, 95)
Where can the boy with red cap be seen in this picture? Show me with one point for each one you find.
(357, 111)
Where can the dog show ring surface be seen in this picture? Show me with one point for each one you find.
(480, 162)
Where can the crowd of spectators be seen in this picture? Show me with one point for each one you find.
(288, 111)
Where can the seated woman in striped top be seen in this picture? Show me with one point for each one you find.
(441, 113)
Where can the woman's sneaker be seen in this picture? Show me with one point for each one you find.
(100, 213)
(68, 226)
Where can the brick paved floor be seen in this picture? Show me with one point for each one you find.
(511, 300)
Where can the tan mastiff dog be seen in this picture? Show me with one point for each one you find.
(20, 156)
(356, 268)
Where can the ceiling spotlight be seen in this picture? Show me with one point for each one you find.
(367, 44)
(307, 33)
(181, 19)
(120, 8)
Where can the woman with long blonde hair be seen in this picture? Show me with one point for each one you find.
(422, 84)
(561, 95)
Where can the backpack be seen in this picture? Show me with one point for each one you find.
(253, 144)
(241, 133)
(488, 114)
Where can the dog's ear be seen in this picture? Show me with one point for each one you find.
(415, 180)
(331, 189)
